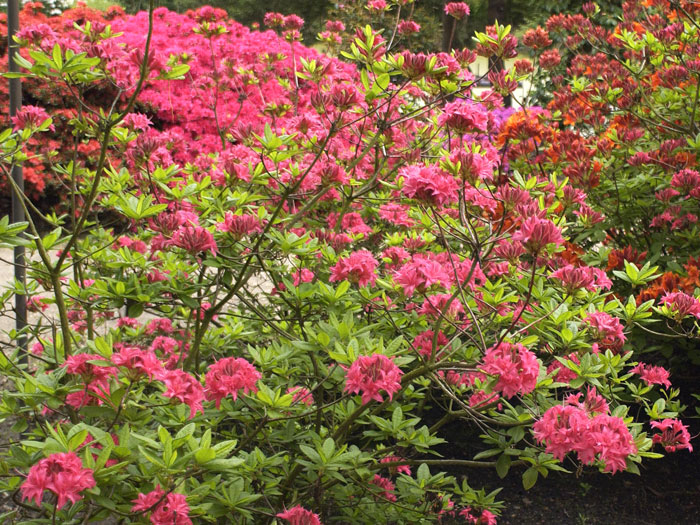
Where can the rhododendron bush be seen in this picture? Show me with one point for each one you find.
(283, 279)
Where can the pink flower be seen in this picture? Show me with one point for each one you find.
(172, 509)
(239, 225)
(61, 473)
(424, 343)
(300, 516)
(606, 329)
(30, 117)
(358, 268)
(184, 387)
(408, 27)
(141, 362)
(429, 184)
(574, 278)
(304, 275)
(371, 373)
(401, 469)
(457, 10)
(228, 376)
(293, 22)
(301, 395)
(536, 233)
(674, 435)
(463, 116)
(128, 322)
(376, 6)
(515, 366)
(652, 375)
(421, 274)
(194, 240)
(436, 306)
(564, 374)
(396, 214)
(80, 364)
(386, 485)
(568, 428)
(163, 325)
(682, 304)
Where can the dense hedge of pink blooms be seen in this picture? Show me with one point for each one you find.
(338, 259)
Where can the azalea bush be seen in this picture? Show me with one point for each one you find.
(621, 123)
(283, 280)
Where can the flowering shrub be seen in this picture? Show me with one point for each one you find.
(621, 124)
(314, 268)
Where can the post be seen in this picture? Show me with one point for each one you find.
(17, 175)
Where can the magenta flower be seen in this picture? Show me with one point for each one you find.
(386, 485)
(300, 516)
(30, 117)
(682, 304)
(421, 274)
(165, 510)
(358, 268)
(457, 10)
(429, 184)
(138, 362)
(184, 387)
(652, 375)
(408, 27)
(61, 473)
(370, 374)
(674, 435)
(229, 376)
(515, 366)
(568, 428)
(239, 225)
(606, 329)
(464, 116)
(535, 234)
(194, 239)
(575, 278)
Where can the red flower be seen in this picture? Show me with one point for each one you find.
(61, 473)
(228, 376)
(371, 373)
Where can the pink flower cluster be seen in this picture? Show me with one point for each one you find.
(515, 366)
(582, 277)
(370, 374)
(229, 376)
(652, 375)
(587, 429)
(300, 516)
(682, 304)
(358, 268)
(429, 184)
(607, 330)
(170, 509)
(674, 435)
(61, 473)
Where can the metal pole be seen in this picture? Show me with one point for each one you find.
(17, 176)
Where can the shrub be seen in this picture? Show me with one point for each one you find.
(320, 268)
